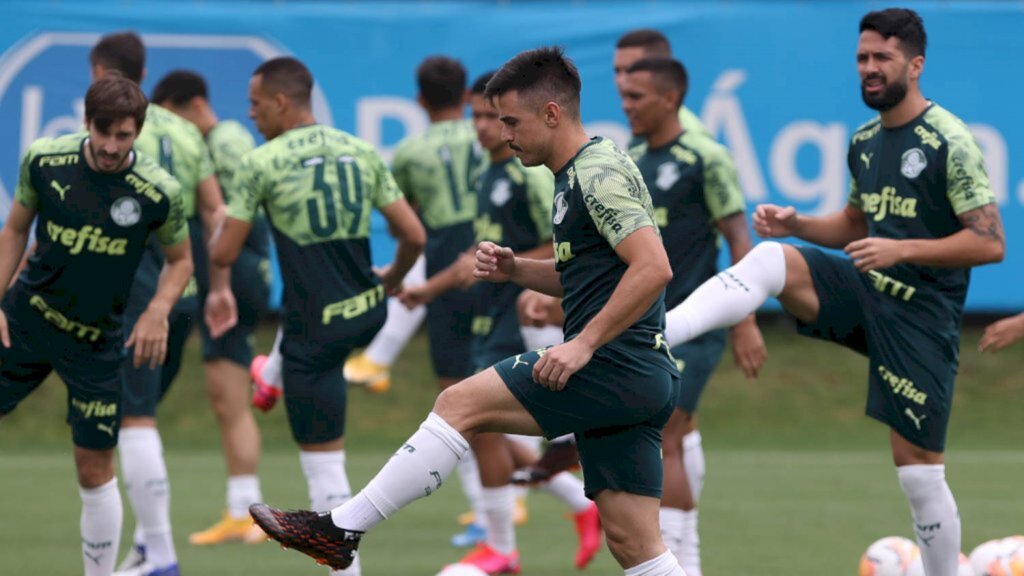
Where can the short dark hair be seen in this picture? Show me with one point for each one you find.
(179, 87)
(903, 23)
(288, 76)
(653, 42)
(546, 72)
(442, 82)
(480, 84)
(121, 51)
(114, 98)
(668, 73)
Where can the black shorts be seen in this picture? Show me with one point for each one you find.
(250, 282)
(912, 365)
(697, 360)
(449, 329)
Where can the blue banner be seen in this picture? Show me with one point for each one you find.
(775, 81)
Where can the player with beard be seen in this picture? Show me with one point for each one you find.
(920, 215)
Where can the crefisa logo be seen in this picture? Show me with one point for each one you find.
(44, 77)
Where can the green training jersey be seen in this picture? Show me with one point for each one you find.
(912, 182)
(436, 171)
(180, 149)
(600, 199)
(228, 141)
(515, 211)
(91, 231)
(693, 184)
(318, 185)
(687, 120)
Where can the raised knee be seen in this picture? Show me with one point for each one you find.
(623, 546)
(452, 407)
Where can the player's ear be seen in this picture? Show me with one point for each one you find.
(552, 114)
(916, 67)
(281, 100)
(466, 97)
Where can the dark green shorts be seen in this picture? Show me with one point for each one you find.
(912, 365)
(449, 329)
(697, 360)
(496, 338)
(90, 371)
(250, 283)
(616, 408)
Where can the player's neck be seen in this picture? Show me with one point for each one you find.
(911, 107)
(206, 122)
(667, 131)
(565, 147)
(298, 120)
(445, 114)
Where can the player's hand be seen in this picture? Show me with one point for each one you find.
(771, 221)
(392, 285)
(149, 337)
(5, 333)
(748, 347)
(1001, 334)
(873, 253)
(535, 309)
(413, 296)
(220, 312)
(494, 263)
(560, 362)
(464, 268)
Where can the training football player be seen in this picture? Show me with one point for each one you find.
(920, 215)
(226, 359)
(179, 148)
(318, 186)
(96, 204)
(613, 382)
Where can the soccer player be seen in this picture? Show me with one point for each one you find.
(179, 148)
(514, 210)
(920, 214)
(226, 359)
(317, 185)
(697, 199)
(613, 382)
(96, 204)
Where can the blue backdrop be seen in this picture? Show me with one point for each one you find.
(775, 81)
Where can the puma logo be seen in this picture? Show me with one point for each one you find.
(519, 360)
(917, 419)
(61, 190)
(866, 158)
(95, 558)
(109, 429)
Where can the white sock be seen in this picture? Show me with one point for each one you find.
(663, 565)
(145, 481)
(570, 437)
(730, 296)
(418, 468)
(401, 324)
(272, 368)
(469, 479)
(243, 490)
(138, 537)
(936, 519)
(541, 337)
(693, 463)
(499, 504)
(671, 522)
(568, 489)
(689, 551)
(328, 488)
(100, 527)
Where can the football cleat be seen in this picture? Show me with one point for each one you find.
(558, 457)
(315, 535)
(264, 394)
(588, 529)
(491, 561)
(362, 371)
(146, 569)
(229, 529)
(520, 514)
(471, 536)
(135, 557)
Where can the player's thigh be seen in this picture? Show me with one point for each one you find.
(799, 296)
(95, 391)
(483, 403)
(449, 330)
(697, 360)
(844, 297)
(181, 320)
(630, 522)
(316, 397)
(23, 367)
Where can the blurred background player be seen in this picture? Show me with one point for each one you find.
(514, 210)
(920, 215)
(65, 311)
(697, 201)
(226, 359)
(179, 148)
(318, 186)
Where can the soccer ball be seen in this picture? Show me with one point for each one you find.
(916, 567)
(987, 557)
(890, 556)
(461, 569)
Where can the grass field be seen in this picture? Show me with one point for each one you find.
(799, 481)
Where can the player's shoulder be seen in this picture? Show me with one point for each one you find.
(946, 125)
(601, 156)
(528, 175)
(161, 122)
(866, 131)
(230, 132)
(146, 174)
(57, 146)
(704, 146)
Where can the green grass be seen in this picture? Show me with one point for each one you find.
(799, 481)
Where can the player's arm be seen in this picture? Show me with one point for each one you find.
(405, 226)
(834, 230)
(1002, 333)
(500, 264)
(13, 239)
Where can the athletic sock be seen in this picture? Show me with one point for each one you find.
(401, 324)
(671, 522)
(469, 479)
(328, 488)
(568, 489)
(689, 550)
(243, 491)
(730, 296)
(271, 371)
(663, 565)
(936, 520)
(498, 508)
(693, 463)
(100, 527)
(145, 481)
(418, 468)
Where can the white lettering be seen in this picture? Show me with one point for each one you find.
(373, 110)
(827, 187)
(723, 116)
(32, 127)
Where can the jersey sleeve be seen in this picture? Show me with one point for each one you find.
(853, 198)
(721, 185)
(967, 185)
(25, 193)
(227, 154)
(540, 191)
(386, 189)
(400, 171)
(174, 229)
(245, 194)
(617, 200)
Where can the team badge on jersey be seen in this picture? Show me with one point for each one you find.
(126, 211)
(668, 174)
(561, 207)
(501, 192)
(914, 162)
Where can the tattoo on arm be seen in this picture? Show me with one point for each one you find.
(985, 222)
